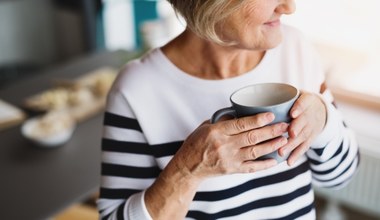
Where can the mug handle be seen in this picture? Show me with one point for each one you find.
(222, 112)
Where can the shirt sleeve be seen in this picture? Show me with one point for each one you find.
(334, 155)
(128, 166)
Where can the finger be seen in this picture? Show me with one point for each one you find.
(293, 143)
(253, 137)
(257, 151)
(301, 104)
(296, 126)
(240, 125)
(254, 166)
(298, 152)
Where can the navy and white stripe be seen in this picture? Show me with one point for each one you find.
(129, 167)
(153, 107)
(334, 163)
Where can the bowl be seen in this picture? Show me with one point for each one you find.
(50, 130)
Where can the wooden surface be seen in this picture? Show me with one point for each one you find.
(356, 98)
(59, 96)
(78, 212)
(341, 66)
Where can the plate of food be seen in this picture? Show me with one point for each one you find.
(50, 130)
(82, 97)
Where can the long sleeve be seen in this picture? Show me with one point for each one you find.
(334, 155)
(153, 106)
(128, 166)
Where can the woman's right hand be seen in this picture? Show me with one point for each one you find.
(231, 146)
(226, 147)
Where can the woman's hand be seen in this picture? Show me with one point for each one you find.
(309, 118)
(231, 146)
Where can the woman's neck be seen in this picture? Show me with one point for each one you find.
(207, 60)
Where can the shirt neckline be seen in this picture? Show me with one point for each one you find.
(182, 77)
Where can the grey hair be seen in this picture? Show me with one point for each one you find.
(204, 16)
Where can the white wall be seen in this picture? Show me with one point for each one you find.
(352, 31)
(348, 23)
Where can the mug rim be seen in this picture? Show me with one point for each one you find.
(266, 106)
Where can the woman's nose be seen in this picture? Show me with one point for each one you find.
(286, 7)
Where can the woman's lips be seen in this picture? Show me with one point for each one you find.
(273, 23)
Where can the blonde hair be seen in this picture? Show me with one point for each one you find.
(204, 16)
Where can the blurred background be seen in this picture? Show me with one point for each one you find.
(61, 30)
(36, 36)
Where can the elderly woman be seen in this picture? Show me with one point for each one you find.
(163, 159)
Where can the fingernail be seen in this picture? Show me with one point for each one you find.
(284, 126)
(274, 163)
(270, 116)
(290, 163)
(295, 113)
(284, 152)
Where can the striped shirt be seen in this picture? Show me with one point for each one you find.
(153, 106)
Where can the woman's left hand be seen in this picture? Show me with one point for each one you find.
(309, 116)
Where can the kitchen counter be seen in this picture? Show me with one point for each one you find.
(37, 183)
